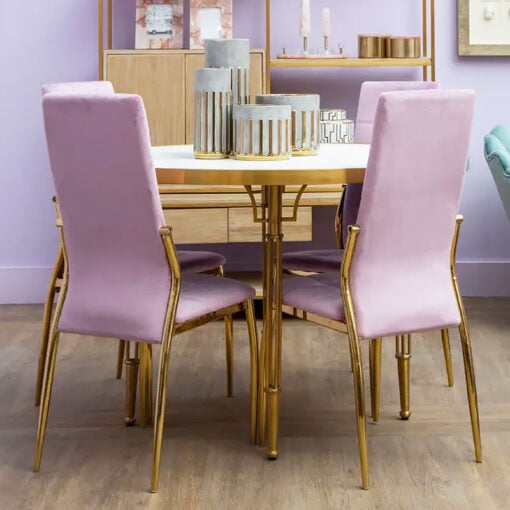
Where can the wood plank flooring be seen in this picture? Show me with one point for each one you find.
(92, 461)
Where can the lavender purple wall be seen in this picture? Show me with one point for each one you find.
(60, 45)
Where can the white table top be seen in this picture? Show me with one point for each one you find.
(335, 164)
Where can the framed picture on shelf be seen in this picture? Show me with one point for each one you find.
(159, 24)
(209, 19)
(483, 27)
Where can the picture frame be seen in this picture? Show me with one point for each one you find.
(483, 27)
(209, 19)
(159, 24)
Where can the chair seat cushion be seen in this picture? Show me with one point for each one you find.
(318, 294)
(199, 261)
(315, 261)
(203, 293)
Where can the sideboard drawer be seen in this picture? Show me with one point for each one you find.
(198, 225)
(242, 229)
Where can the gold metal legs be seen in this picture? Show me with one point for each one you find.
(46, 396)
(120, 358)
(252, 334)
(273, 314)
(447, 356)
(131, 384)
(145, 376)
(229, 348)
(375, 376)
(160, 412)
(403, 355)
(48, 308)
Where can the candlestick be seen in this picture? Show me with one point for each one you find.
(305, 22)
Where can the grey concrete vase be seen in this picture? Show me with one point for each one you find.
(213, 113)
(261, 132)
(233, 54)
(305, 120)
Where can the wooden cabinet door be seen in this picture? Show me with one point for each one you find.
(196, 61)
(159, 79)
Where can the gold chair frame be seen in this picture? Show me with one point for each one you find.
(170, 329)
(403, 349)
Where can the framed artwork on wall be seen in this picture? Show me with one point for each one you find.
(484, 27)
(209, 19)
(159, 24)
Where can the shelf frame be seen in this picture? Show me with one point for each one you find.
(426, 62)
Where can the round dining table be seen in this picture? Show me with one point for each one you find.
(335, 164)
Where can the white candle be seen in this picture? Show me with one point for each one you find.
(305, 25)
(326, 19)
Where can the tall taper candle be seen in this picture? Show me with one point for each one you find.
(325, 21)
(305, 24)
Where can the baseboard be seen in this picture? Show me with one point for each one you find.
(476, 278)
(484, 279)
(24, 284)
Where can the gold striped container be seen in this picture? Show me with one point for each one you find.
(305, 120)
(405, 47)
(371, 45)
(213, 114)
(262, 132)
(233, 54)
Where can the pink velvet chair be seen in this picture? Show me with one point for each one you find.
(398, 272)
(190, 261)
(320, 261)
(122, 277)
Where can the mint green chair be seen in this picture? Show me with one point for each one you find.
(497, 154)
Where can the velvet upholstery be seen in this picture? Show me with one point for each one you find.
(190, 261)
(400, 277)
(497, 155)
(319, 261)
(101, 162)
(364, 127)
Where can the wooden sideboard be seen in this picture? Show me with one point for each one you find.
(219, 214)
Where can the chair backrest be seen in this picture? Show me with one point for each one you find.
(364, 127)
(79, 87)
(400, 276)
(106, 187)
(497, 155)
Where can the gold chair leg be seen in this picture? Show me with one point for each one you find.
(131, 384)
(46, 396)
(375, 376)
(261, 394)
(229, 348)
(159, 421)
(469, 370)
(447, 356)
(120, 358)
(145, 379)
(403, 355)
(252, 333)
(48, 308)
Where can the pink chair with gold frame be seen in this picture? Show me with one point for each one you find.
(398, 271)
(190, 261)
(122, 277)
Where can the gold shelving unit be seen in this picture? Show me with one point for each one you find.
(428, 48)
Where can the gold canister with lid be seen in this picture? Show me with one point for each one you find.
(405, 47)
(371, 45)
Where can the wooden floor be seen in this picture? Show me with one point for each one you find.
(92, 461)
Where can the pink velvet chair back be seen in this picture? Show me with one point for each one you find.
(79, 87)
(401, 268)
(367, 104)
(101, 162)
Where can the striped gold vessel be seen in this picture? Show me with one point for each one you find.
(213, 114)
(305, 120)
(262, 132)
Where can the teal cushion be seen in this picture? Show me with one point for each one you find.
(497, 154)
(497, 150)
